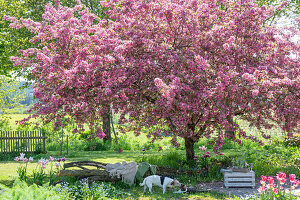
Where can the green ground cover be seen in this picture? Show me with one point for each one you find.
(275, 156)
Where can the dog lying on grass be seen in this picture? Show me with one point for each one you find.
(161, 181)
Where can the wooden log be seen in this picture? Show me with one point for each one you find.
(80, 164)
(90, 174)
(103, 178)
(83, 172)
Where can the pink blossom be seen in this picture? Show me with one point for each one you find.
(275, 190)
(158, 82)
(120, 150)
(292, 177)
(25, 159)
(255, 92)
(263, 179)
(81, 58)
(281, 176)
(271, 180)
(261, 189)
(287, 191)
(226, 46)
(248, 77)
(17, 159)
(296, 182)
(282, 5)
(282, 181)
(203, 148)
(286, 81)
(30, 159)
(51, 158)
(271, 185)
(22, 156)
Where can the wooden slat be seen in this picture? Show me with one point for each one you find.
(44, 142)
(237, 174)
(239, 179)
(1, 141)
(17, 143)
(12, 141)
(5, 146)
(239, 185)
(33, 142)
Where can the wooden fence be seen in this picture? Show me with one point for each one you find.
(22, 141)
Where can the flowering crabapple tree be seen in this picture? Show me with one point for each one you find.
(72, 68)
(185, 68)
(210, 61)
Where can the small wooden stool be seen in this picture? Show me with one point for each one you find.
(239, 179)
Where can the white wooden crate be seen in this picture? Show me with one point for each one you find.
(239, 179)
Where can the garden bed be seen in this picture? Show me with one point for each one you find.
(218, 186)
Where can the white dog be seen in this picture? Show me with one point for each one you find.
(160, 181)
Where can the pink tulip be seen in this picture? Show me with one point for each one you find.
(281, 176)
(296, 182)
(263, 180)
(261, 189)
(292, 177)
(271, 180)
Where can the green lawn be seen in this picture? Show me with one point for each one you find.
(8, 173)
(8, 169)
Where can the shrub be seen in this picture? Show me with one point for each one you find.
(21, 191)
(172, 159)
(83, 190)
(293, 141)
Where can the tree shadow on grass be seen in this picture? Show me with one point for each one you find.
(8, 182)
(137, 192)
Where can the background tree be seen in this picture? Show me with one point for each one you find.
(183, 68)
(14, 40)
(287, 9)
(10, 97)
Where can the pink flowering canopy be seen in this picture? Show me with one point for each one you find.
(184, 68)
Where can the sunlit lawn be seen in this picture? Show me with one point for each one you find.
(8, 173)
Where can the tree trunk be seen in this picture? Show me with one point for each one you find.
(61, 142)
(106, 124)
(189, 148)
(229, 129)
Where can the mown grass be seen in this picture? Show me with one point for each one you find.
(8, 173)
(267, 160)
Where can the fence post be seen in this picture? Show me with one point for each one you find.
(44, 142)
(67, 144)
(1, 142)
